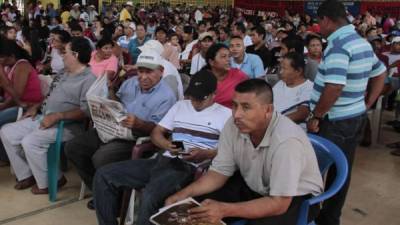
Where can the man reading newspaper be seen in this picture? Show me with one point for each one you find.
(146, 99)
(196, 124)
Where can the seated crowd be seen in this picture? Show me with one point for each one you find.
(236, 100)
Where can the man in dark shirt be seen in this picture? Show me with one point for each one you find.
(258, 36)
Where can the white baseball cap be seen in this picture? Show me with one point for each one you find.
(76, 5)
(149, 59)
(152, 45)
(130, 3)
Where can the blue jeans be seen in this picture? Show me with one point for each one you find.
(346, 134)
(7, 116)
(158, 178)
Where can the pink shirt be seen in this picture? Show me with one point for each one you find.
(99, 68)
(226, 87)
(32, 92)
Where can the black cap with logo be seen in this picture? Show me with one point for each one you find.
(202, 84)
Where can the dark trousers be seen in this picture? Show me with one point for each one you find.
(158, 178)
(88, 153)
(346, 134)
(236, 190)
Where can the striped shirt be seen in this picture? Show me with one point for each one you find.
(350, 61)
(196, 129)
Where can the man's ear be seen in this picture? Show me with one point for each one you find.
(269, 109)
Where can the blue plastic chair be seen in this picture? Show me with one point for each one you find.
(327, 154)
(53, 162)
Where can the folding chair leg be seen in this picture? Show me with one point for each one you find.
(82, 192)
(130, 215)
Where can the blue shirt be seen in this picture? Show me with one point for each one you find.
(349, 61)
(133, 48)
(252, 65)
(151, 105)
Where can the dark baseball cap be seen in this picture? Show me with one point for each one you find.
(202, 84)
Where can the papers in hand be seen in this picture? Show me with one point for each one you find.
(177, 214)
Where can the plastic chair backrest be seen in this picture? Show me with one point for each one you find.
(327, 154)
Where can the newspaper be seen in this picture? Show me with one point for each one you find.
(107, 114)
(177, 214)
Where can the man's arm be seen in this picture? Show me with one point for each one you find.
(375, 88)
(138, 126)
(208, 183)
(328, 98)
(52, 118)
(300, 115)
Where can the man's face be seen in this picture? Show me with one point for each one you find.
(69, 57)
(396, 47)
(255, 37)
(128, 31)
(161, 36)
(149, 78)
(235, 31)
(76, 33)
(199, 105)
(315, 47)
(186, 36)
(140, 32)
(249, 112)
(205, 44)
(236, 48)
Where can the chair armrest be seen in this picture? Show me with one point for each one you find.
(143, 145)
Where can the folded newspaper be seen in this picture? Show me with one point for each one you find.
(107, 114)
(177, 214)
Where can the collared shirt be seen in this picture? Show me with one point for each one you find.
(349, 61)
(252, 65)
(283, 164)
(133, 48)
(151, 105)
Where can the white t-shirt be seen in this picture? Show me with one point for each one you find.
(198, 16)
(247, 41)
(170, 70)
(185, 54)
(195, 129)
(57, 62)
(198, 62)
(287, 99)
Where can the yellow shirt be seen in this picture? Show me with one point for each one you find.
(125, 15)
(65, 17)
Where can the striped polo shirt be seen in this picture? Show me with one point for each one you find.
(350, 61)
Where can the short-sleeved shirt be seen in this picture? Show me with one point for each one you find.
(283, 164)
(198, 62)
(349, 61)
(226, 87)
(252, 65)
(123, 41)
(196, 129)
(134, 50)
(125, 15)
(99, 68)
(70, 93)
(151, 105)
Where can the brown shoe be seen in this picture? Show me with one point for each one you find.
(395, 152)
(25, 183)
(37, 191)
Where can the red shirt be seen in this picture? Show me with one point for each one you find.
(226, 87)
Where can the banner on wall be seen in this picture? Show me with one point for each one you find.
(311, 7)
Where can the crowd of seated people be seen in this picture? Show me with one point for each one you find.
(200, 80)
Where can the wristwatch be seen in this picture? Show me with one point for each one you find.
(311, 116)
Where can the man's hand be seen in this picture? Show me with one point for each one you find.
(50, 119)
(31, 112)
(175, 198)
(129, 122)
(210, 211)
(197, 155)
(313, 125)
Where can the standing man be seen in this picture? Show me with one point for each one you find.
(126, 12)
(338, 101)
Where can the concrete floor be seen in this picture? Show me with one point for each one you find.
(373, 198)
